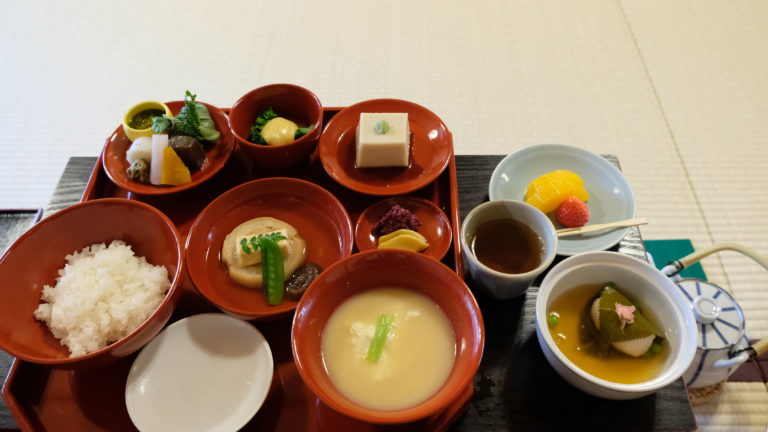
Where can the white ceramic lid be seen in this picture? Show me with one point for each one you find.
(719, 318)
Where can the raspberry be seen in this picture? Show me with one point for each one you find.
(572, 212)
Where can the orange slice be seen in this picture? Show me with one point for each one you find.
(546, 192)
(174, 172)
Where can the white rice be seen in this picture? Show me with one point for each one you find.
(101, 295)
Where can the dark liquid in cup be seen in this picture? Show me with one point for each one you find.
(507, 246)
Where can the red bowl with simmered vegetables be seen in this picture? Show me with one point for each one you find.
(315, 214)
(289, 101)
(216, 156)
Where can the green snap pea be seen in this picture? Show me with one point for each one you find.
(272, 270)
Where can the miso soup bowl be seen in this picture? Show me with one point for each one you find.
(387, 268)
(652, 291)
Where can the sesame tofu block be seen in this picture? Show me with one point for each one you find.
(383, 140)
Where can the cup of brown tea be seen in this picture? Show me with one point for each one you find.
(507, 244)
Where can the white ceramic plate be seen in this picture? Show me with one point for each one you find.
(208, 372)
(610, 196)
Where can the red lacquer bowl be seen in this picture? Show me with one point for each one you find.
(387, 268)
(115, 163)
(316, 214)
(431, 149)
(435, 225)
(288, 101)
(36, 257)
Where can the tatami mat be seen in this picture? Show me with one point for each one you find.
(741, 407)
(708, 63)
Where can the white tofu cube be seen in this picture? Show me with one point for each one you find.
(247, 259)
(389, 149)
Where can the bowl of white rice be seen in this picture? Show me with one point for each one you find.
(90, 284)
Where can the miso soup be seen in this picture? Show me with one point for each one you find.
(417, 357)
(577, 338)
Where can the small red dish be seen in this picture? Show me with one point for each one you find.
(317, 215)
(115, 163)
(289, 101)
(431, 149)
(435, 225)
(35, 259)
(387, 268)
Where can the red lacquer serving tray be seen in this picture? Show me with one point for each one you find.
(45, 399)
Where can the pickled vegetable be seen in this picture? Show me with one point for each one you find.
(139, 171)
(174, 172)
(404, 239)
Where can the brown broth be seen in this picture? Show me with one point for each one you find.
(507, 246)
(576, 337)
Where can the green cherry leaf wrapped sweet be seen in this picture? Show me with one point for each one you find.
(621, 324)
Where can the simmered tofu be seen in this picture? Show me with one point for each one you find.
(245, 259)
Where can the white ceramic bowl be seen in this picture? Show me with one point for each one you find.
(610, 196)
(208, 372)
(495, 283)
(654, 293)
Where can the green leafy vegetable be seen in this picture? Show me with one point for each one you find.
(259, 123)
(300, 132)
(193, 120)
(383, 324)
(611, 326)
(273, 272)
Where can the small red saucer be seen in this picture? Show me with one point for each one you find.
(435, 225)
(431, 149)
(115, 163)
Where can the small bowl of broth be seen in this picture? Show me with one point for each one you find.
(614, 326)
(387, 336)
(507, 244)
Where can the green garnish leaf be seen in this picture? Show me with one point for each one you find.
(255, 241)
(263, 118)
(611, 326)
(383, 323)
(244, 245)
(381, 127)
(161, 124)
(193, 120)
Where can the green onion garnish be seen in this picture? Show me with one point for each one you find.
(379, 338)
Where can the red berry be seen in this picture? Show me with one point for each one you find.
(572, 213)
